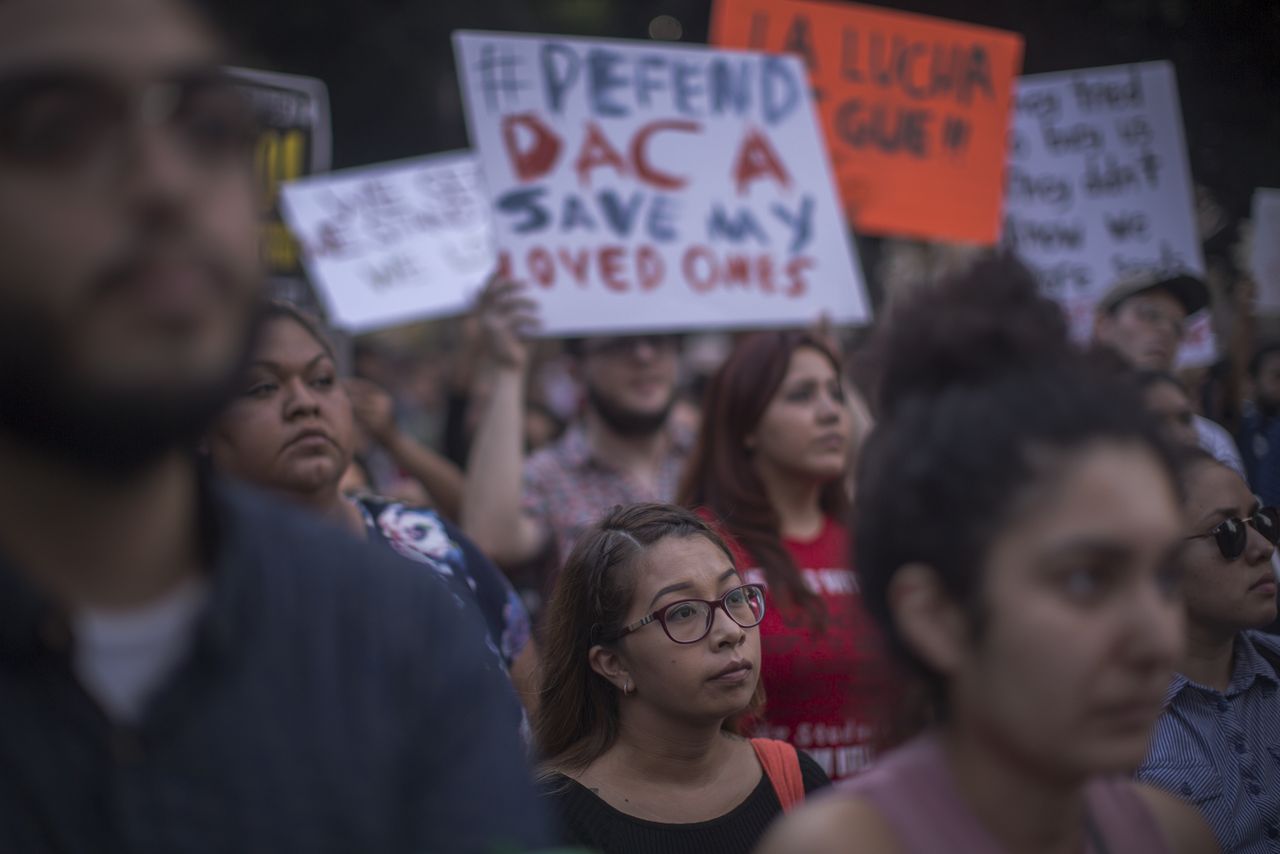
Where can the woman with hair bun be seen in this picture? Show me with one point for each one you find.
(1018, 538)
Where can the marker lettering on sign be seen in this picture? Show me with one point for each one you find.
(1097, 184)
(614, 84)
(1047, 189)
(1098, 95)
(914, 108)
(534, 150)
(1127, 226)
(694, 175)
(1045, 236)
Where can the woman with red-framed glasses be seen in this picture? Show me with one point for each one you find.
(652, 652)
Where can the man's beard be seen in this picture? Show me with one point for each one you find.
(628, 422)
(107, 431)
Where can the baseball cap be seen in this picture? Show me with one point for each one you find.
(1183, 285)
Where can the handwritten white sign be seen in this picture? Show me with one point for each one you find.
(1098, 186)
(394, 243)
(646, 187)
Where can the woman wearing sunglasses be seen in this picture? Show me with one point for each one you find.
(1018, 524)
(651, 650)
(1218, 742)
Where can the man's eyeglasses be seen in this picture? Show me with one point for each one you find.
(1232, 535)
(690, 620)
(75, 122)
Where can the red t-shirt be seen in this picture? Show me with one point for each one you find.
(826, 688)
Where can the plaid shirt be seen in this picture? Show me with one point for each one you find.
(567, 490)
(335, 698)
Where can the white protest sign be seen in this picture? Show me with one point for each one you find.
(1264, 254)
(645, 187)
(394, 243)
(1098, 186)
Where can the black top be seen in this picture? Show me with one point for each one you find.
(587, 820)
(335, 699)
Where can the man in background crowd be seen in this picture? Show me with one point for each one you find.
(1143, 319)
(623, 450)
(186, 666)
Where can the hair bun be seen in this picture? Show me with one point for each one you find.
(972, 328)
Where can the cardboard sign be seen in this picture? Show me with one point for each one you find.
(394, 243)
(1264, 255)
(645, 187)
(916, 109)
(295, 140)
(1098, 184)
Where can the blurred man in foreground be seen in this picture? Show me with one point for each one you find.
(183, 665)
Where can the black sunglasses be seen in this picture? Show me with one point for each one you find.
(689, 620)
(69, 120)
(1232, 535)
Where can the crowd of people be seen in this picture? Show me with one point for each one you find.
(1003, 593)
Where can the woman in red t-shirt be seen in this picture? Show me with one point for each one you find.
(769, 470)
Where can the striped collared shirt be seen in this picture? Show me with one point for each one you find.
(1220, 750)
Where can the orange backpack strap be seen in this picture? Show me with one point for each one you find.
(781, 765)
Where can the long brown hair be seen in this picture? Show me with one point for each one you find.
(719, 475)
(577, 718)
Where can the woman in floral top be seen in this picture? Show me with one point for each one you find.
(292, 431)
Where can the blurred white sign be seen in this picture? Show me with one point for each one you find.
(394, 243)
(1098, 187)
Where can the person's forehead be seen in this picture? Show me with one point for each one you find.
(1155, 296)
(807, 360)
(121, 38)
(1107, 492)
(287, 343)
(675, 560)
(1211, 484)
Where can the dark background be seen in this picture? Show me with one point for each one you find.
(389, 64)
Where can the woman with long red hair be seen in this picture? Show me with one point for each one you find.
(769, 470)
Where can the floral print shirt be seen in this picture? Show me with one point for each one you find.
(421, 535)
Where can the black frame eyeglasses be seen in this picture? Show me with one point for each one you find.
(1232, 535)
(71, 121)
(744, 605)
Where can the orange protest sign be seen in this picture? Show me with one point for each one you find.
(916, 110)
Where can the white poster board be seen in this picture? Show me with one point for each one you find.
(638, 186)
(1264, 254)
(1098, 186)
(394, 243)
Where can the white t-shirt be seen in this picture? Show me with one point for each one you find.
(122, 657)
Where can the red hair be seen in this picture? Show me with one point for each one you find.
(720, 476)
